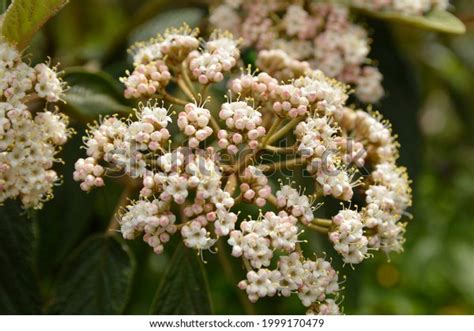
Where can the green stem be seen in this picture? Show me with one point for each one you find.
(317, 228)
(187, 80)
(273, 200)
(278, 165)
(215, 125)
(247, 264)
(130, 188)
(185, 89)
(279, 150)
(322, 222)
(272, 129)
(173, 99)
(284, 130)
(204, 91)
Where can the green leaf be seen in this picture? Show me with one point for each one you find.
(92, 94)
(184, 288)
(96, 279)
(3, 5)
(19, 293)
(64, 221)
(171, 18)
(25, 17)
(99, 81)
(436, 20)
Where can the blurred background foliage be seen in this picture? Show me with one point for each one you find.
(429, 79)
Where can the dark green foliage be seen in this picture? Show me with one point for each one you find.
(96, 279)
(19, 293)
(184, 288)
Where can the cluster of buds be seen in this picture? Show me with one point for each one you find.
(314, 282)
(243, 124)
(30, 138)
(418, 7)
(193, 121)
(123, 144)
(294, 36)
(254, 187)
(196, 175)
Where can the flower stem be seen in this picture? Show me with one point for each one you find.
(280, 150)
(231, 184)
(272, 129)
(284, 130)
(317, 228)
(187, 80)
(185, 89)
(215, 125)
(282, 164)
(130, 188)
(204, 91)
(322, 222)
(273, 200)
(247, 264)
(175, 100)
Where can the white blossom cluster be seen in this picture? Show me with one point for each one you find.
(314, 282)
(243, 124)
(294, 36)
(254, 186)
(30, 138)
(299, 205)
(387, 193)
(154, 58)
(407, 7)
(199, 161)
(123, 144)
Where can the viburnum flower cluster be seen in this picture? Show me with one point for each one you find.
(30, 138)
(407, 7)
(201, 156)
(293, 37)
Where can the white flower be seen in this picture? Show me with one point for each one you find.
(171, 161)
(295, 19)
(193, 122)
(196, 236)
(89, 172)
(220, 55)
(254, 186)
(153, 114)
(282, 229)
(177, 187)
(152, 219)
(320, 280)
(48, 85)
(252, 243)
(260, 284)
(395, 179)
(327, 307)
(293, 273)
(147, 52)
(222, 200)
(347, 236)
(298, 205)
(225, 17)
(243, 123)
(225, 222)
